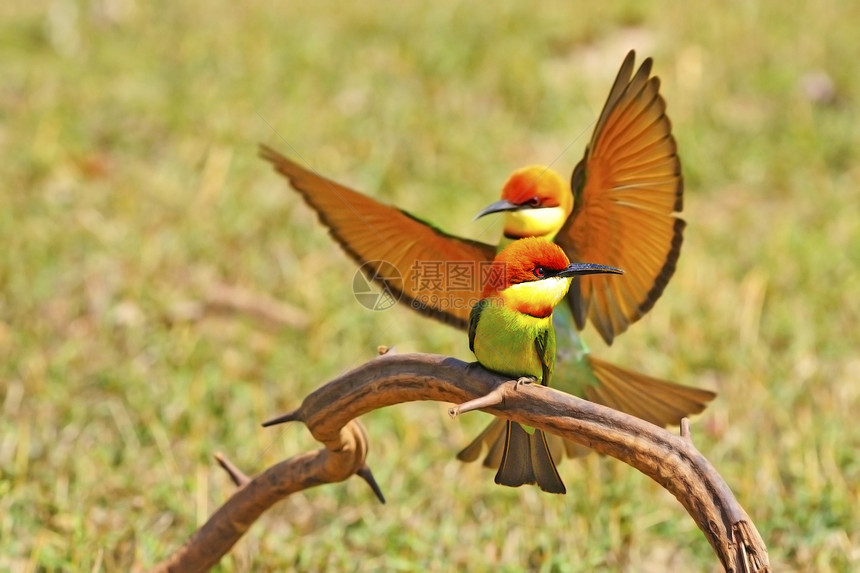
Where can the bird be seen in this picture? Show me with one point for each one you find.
(511, 332)
(619, 207)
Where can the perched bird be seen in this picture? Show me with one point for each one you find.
(619, 209)
(511, 332)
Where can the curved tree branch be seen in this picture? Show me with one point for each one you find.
(330, 412)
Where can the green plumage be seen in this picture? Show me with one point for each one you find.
(517, 344)
(511, 342)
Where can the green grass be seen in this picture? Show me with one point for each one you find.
(130, 186)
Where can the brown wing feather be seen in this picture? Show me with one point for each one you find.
(626, 191)
(370, 231)
(657, 401)
(494, 436)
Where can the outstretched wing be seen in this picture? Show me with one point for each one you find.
(626, 191)
(439, 274)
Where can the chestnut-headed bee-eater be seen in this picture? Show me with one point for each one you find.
(511, 332)
(619, 209)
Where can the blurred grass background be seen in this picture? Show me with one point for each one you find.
(131, 195)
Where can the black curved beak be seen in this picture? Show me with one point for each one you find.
(579, 269)
(498, 207)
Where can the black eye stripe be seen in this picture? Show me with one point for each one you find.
(532, 202)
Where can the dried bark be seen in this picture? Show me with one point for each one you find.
(330, 412)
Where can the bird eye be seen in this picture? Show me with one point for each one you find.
(534, 202)
(540, 272)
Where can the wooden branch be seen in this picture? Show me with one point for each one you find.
(329, 413)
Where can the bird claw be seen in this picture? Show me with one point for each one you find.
(525, 380)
